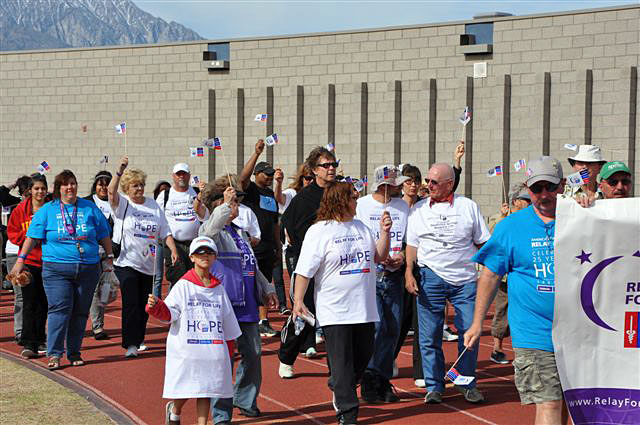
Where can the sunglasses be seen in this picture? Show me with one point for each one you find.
(614, 182)
(538, 187)
(327, 165)
(201, 251)
(308, 178)
(434, 182)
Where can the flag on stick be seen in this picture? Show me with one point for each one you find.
(104, 159)
(43, 167)
(261, 117)
(330, 147)
(579, 178)
(197, 151)
(121, 128)
(454, 376)
(272, 140)
(466, 116)
(495, 171)
(519, 165)
(571, 147)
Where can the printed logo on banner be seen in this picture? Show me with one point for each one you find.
(631, 328)
(632, 296)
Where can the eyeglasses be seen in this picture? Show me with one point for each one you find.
(614, 182)
(434, 182)
(327, 165)
(308, 178)
(538, 187)
(411, 182)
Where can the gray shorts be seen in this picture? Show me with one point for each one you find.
(536, 376)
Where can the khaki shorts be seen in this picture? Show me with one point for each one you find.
(536, 376)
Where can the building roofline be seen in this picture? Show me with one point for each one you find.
(330, 33)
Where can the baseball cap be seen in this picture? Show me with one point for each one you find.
(393, 177)
(587, 153)
(264, 167)
(200, 242)
(545, 168)
(612, 167)
(519, 191)
(181, 166)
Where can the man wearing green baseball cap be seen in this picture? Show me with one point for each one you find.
(614, 180)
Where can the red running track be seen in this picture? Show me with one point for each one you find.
(134, 386)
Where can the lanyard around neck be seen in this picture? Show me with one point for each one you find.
(71, 227)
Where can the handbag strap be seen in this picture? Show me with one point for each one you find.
(122, 227)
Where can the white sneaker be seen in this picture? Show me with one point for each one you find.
(448, 335)
(132, 351)
(395, 370)
(311, 353)
(319, 339)
(285, 371)
(419, 383)
(143, 347)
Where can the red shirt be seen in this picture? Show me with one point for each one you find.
(17, 227)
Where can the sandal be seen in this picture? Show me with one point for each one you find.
(76, 360)
(54, 363)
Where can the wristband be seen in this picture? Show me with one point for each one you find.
(110, 256)
(20, 260)
(23, 256)
(119, 174)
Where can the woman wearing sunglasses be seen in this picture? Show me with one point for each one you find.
(340, 253)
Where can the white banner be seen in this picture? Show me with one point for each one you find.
(597, 305)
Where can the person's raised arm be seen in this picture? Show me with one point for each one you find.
(198, 205)
(382, 246)
(458, 153)
(487, 286)
(245, 175)
(279, 177)
(112, 189)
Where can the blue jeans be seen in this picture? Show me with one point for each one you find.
(432, 296)
(69, 288)
(248, 376)
(157, 279)
(389, 293)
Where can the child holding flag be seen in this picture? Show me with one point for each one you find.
(200, 340)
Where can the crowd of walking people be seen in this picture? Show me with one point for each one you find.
(365, 270)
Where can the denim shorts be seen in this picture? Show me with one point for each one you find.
(536, 376)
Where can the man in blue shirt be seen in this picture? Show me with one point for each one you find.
(522, 245)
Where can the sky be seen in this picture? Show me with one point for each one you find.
(225, 19)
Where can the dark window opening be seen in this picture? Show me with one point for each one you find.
(217, 51)
(481, 32)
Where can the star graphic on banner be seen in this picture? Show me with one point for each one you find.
(584, 257)
(636, 254)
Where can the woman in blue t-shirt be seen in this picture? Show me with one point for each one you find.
(69, 229)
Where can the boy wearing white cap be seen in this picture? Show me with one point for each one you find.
(200, 340)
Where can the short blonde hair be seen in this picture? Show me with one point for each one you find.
(130, 176)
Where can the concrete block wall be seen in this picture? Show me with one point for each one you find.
(162, 93)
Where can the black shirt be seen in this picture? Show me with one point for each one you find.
(301, 214)
(263, 203)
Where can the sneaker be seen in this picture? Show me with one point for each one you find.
(499, 357)
(448, 335)
(143, 347)
(285, 371)
(395, 372)
(419, 383)
(168, 413)
(285, 311)
(42, 349)
(132, 351)
(369, 388)
(472, 395)
(386, 391)
(29, 353)
(266, 329)
(433, 397)
(250, 413)
(311, 353)
(319, 339)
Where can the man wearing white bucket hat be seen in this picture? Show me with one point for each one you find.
(587, 157)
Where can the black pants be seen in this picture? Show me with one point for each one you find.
(278, 282)
(34, 310)
(349, 349)
(135, 288)
(290, 343)
(183, 265)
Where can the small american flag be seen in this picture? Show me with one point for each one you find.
(585, 175)
(466, 116)
(261, 117)
(121, 128)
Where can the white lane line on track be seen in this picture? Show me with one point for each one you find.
(478, 418)
(292, 409)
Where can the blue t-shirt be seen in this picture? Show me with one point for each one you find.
(522, 245)
(58, 246)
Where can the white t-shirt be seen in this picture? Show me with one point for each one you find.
(197, 362)
(369, 212)
(182, 218)
(143, 227)
(288, 194)
(445, 235)
(104, 206)
(247, 221)
(340, 257)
